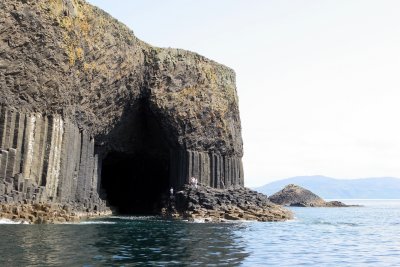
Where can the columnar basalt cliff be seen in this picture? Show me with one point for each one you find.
(46, 158)
(91, 113)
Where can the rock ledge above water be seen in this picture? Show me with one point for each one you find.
(220, 205)
(48, 213)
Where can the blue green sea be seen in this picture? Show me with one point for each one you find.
(355, 236)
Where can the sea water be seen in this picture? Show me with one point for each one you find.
(354, 236)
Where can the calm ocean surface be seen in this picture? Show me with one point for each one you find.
(358, 236)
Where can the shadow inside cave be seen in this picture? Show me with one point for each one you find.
(134, 181)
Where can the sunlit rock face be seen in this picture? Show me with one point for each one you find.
(91, 113)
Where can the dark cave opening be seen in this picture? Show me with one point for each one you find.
(134, 182)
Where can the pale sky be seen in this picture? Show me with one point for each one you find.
(318, 81)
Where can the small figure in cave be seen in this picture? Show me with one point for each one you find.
(192, 181)
(171, 201)
(195, 182)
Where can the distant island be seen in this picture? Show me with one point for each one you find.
(297, 196)
(331, 188)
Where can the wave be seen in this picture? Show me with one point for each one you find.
(322, 222)
(135, 218)
(95, 222)
(8, 221)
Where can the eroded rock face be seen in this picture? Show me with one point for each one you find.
(294, 195)
(77, 85)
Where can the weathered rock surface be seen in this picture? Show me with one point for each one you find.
(47, 213)
(219, 205)
(78, 86)
(70, 58)
(294, 195)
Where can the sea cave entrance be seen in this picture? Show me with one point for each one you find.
(134, 182)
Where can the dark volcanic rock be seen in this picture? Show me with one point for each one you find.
(297, 196)
(217, 205)
(81, 94)
(70, 58)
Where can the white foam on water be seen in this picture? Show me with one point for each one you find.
(126, 218)
(135, 218)
(8, 221)
(96, 222)
(204, 220)
(295, 219)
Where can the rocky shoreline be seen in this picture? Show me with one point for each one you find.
(26, 202)
(197, 204)
(208, 204)
(201, 204)
(47, 213)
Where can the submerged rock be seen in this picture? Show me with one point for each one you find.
(218, 205)
(297, 196)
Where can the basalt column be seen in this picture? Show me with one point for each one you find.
(196, 103)
(41, 159)
(210, 169)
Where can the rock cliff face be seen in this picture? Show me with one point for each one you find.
(89, 111)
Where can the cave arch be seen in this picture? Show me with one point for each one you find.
(134, 181)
